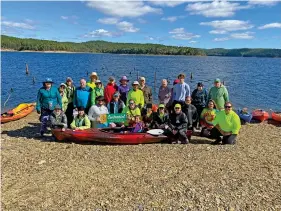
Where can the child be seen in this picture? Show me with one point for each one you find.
(138, 126)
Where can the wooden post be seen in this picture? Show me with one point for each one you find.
(26, 69)
(33, 80)
(137, 75)
(155, 81)
(191, 76)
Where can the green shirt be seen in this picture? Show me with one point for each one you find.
(95, 93)
(228, 122)
(82, 123)
(91, 84)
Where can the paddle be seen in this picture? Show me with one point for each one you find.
(155, 132)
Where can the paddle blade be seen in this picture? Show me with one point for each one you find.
(155, 132)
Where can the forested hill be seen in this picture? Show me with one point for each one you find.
(19, 44)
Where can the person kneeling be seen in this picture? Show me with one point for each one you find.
(81, 121)
(227, 124)
(58, 119)
(177, 126)
(97, 114)
(160, 118)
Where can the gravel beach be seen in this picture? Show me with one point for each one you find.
(39, 174)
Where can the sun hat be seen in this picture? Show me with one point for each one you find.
(178, 105)
(98, 81)
(217, 80)
(124, 78)
(93, 74)
(161, 106)
(63, 84)
(135, 83)
(48, 80)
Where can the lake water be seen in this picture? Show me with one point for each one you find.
(251, 82)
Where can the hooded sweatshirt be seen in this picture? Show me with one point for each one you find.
(109, 90)
(96, 93)
(58, 120)
(228, 122)
(199, 98)
(137, 96)
(219, 95)
(48, 99)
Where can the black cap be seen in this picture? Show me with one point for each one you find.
(200, 84)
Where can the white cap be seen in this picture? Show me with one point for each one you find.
(136, 83)
(98, 81)
(93, 74)
(63, 84)
(142, 78)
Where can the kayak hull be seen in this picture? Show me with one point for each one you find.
(22, 110)
(103, 136)
(247, 117)
(260, 115)
(276, 116)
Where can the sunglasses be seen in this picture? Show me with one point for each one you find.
(100, 100)
(161, 108)
(135, 84)
(131, 103)
(177, 108)
(227, 106)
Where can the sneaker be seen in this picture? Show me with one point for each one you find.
(186, 141)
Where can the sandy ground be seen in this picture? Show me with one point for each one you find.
(38, 174)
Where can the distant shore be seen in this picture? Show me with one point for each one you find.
(30, 51)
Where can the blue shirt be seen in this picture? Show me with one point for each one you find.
(181, 91)
(82, 97)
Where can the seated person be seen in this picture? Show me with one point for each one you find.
(160, 118)
(138, 126)
(97, 113)
(81, 121)
(207, 117)
(227, 124)
(148, 115)
(58, 118)
(131, 111)
(177, 126)
(191, 113)
(116, 106)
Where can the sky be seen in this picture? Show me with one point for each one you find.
(200, 24)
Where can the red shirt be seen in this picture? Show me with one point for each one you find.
(109, 90)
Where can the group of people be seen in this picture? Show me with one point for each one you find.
(178, 109)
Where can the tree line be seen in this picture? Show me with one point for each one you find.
(19, 44)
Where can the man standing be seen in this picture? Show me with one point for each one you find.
(180, 90)
(82, 96)
(219, 94)
(164, 93)
(147, 93)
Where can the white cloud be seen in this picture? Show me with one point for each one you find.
(29, 21)
(17, 25)
(108, 20)
(270, 25)
(192, 42)
(170, 19)
(124, 8)
(168, 3)
(215, 9)
(263, 2)
(181, 34)
(64, 17)
(126, 27)
(228, 25)
(101, 33)
(218, 32)
(245, 35)
(221, 39)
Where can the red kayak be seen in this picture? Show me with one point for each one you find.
(260, 115)
(106, 135)
(276, 116)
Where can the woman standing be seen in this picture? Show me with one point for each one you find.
(64, 99)
(70, 88)
(47, 98)
(123, 88)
